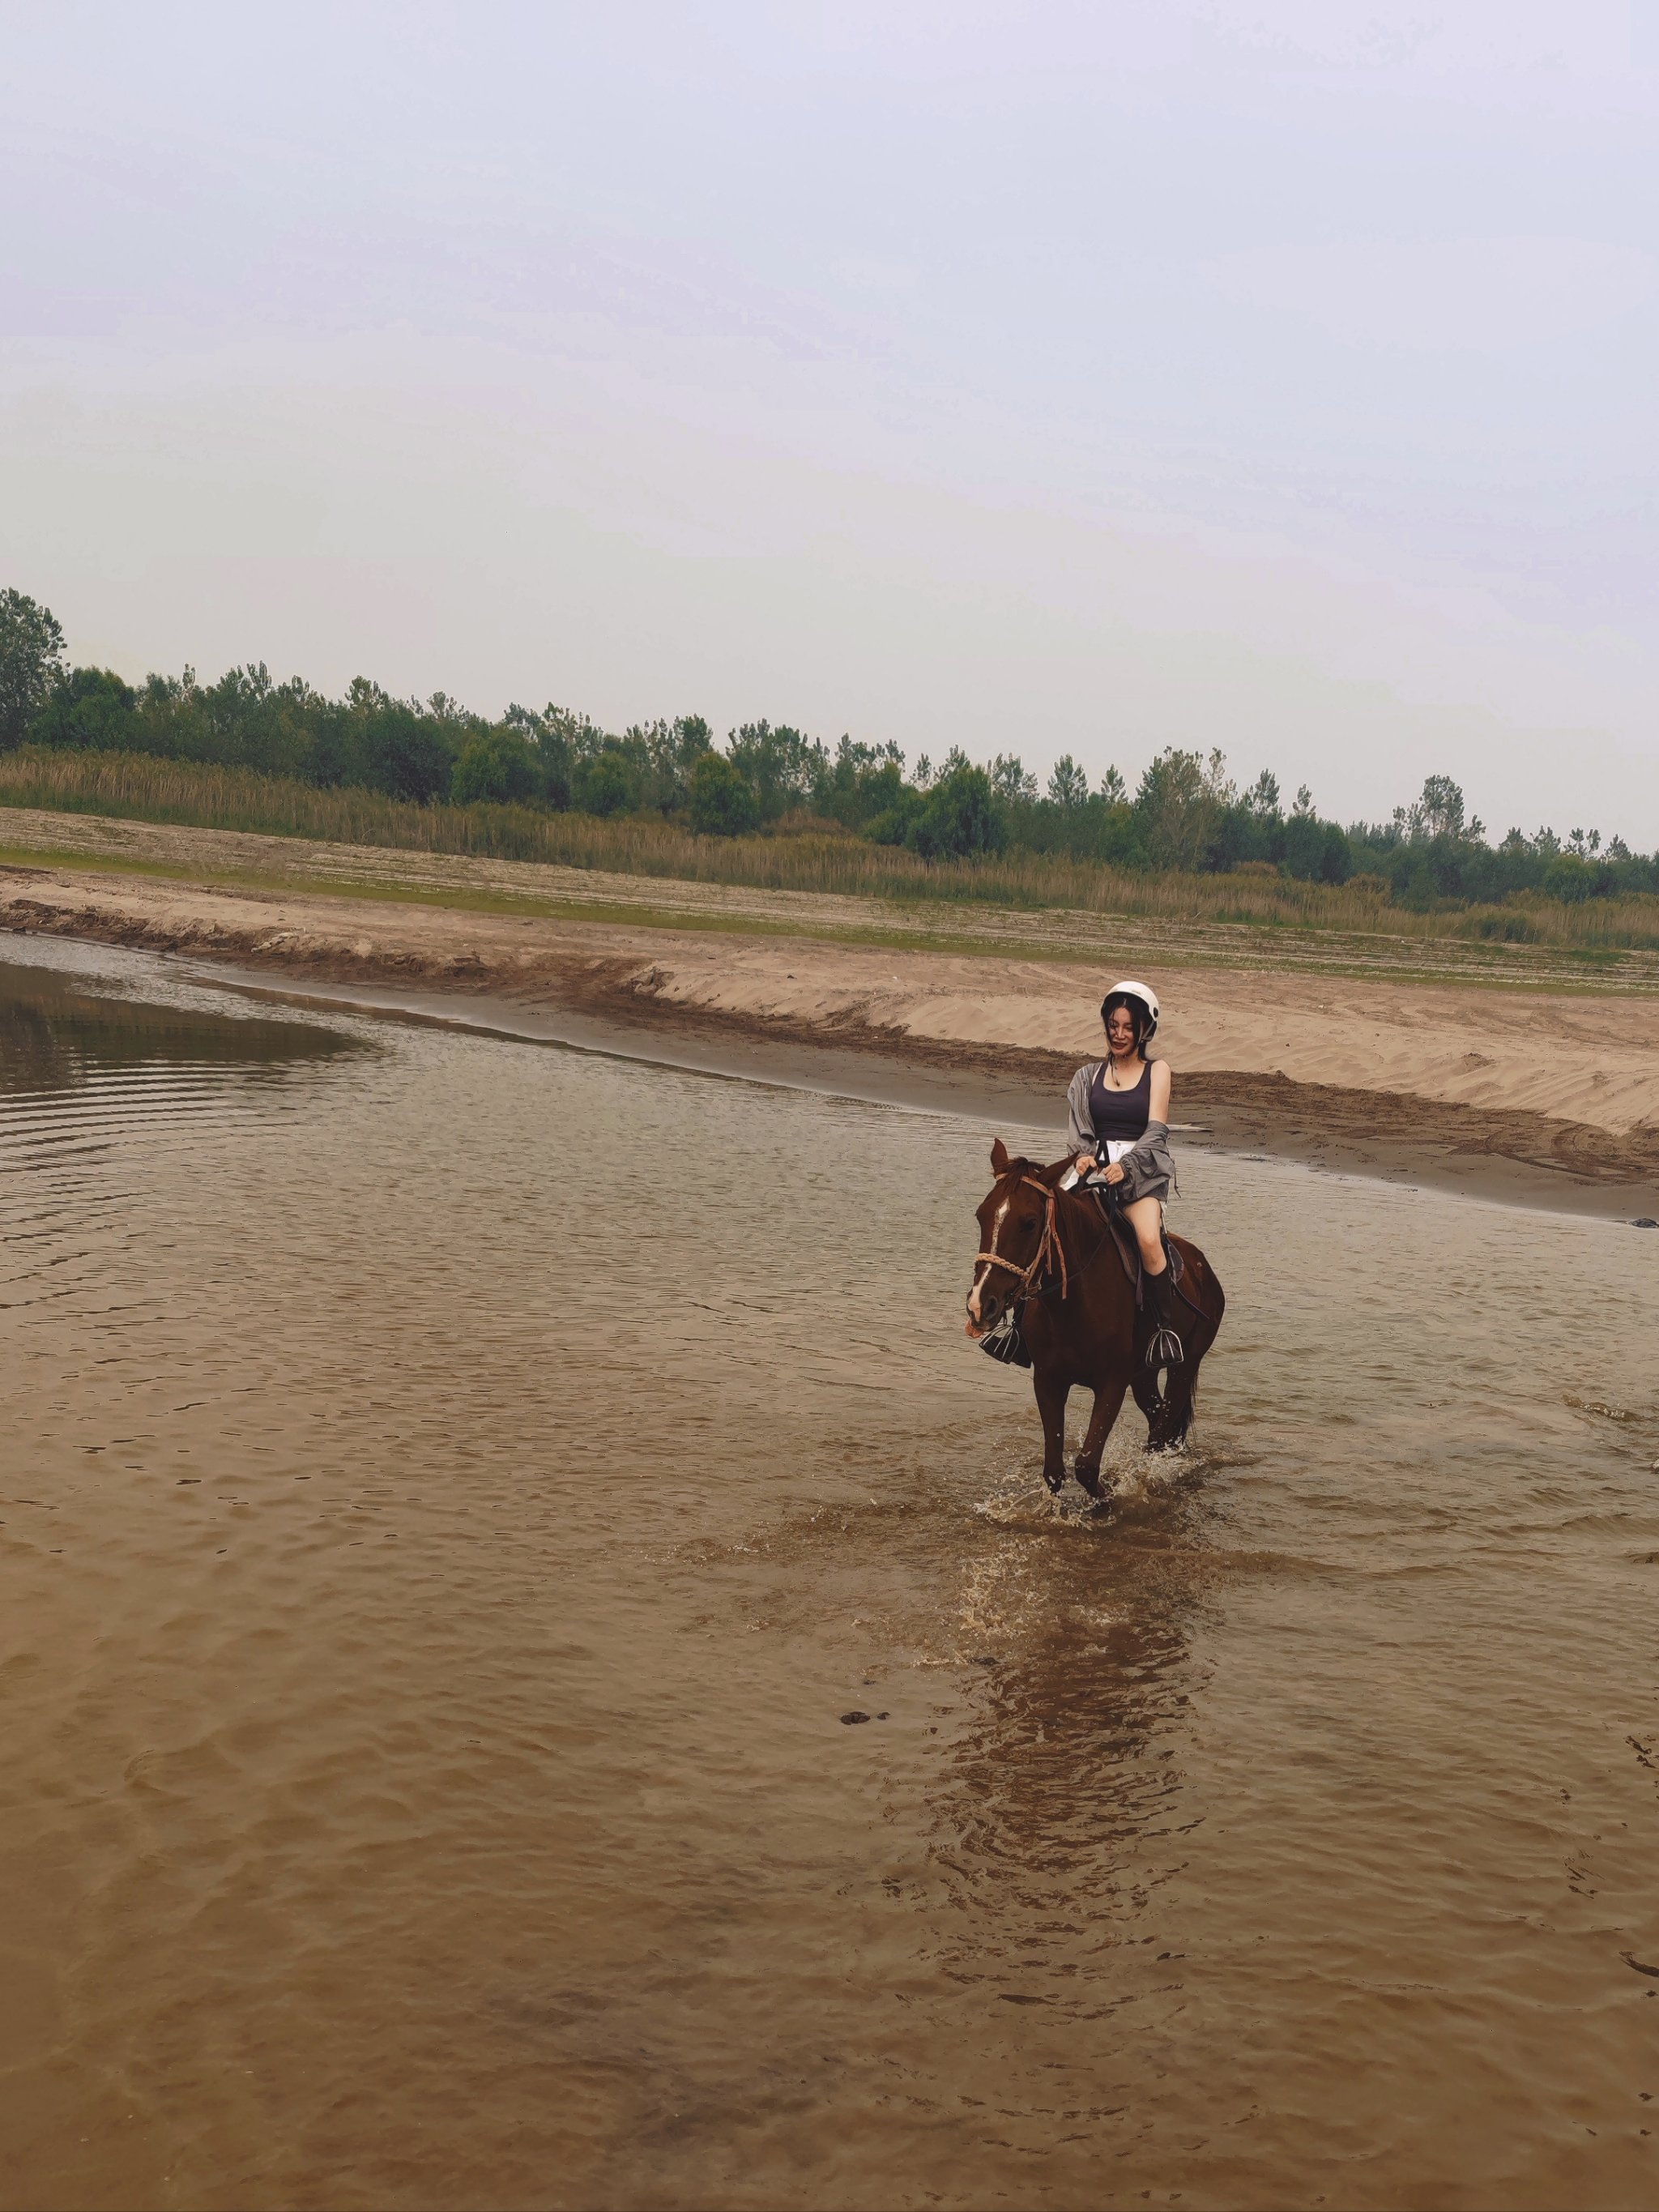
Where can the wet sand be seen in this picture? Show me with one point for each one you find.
(1543, 1095)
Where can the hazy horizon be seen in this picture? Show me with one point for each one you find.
(1277, 379)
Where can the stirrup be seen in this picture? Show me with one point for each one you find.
(1165, 1349)
(1003, 1341)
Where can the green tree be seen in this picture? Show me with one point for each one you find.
(1117, 835)
(1336, 862)
(960, 817)
(1069, 786)
(496, 765)
(30, 662)
(549, 754)
(891, 826)
(862, 783)
(1570, 876)
(1179, 806)
(723, 805)
(1436, 812)
(246, 720)
(1304, 846)
(396, 747)
(664, 755)
(1441, 807)
(608, 785)
(92, 708)
(568, 740)
(781, 766)
(1261, 799)
(1010, 781)
(1316, 851)
(1419, 890)
(171, 717)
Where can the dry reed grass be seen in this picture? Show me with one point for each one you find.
(138, 787)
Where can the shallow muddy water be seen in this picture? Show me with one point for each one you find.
(452, 1491)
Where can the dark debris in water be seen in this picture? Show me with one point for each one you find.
(854, 1719)
(1644, 1221)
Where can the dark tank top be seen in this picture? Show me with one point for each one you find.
(1121, 1115)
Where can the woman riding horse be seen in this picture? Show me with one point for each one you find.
(1054, 1286)
(1119, 1111)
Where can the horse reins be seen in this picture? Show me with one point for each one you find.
(1050, 1247)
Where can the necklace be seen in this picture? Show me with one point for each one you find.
(1111, 1072)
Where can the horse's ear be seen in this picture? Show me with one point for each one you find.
(999, 1158)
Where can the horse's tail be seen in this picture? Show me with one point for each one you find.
(1181, 1406)
(1200, 1287)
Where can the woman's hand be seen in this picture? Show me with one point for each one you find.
(1085, 1163)
(1114, 1173)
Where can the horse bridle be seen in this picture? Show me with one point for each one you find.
(1049, 1247)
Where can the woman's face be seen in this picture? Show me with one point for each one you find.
(1120, 1030)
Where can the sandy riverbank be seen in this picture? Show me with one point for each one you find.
(1540, 1094)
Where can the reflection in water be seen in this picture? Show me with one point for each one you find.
(439, 1560)
(1076, 1749)
(1063, 1807)
(59, 1033)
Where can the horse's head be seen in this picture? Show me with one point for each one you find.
(1015, 1224)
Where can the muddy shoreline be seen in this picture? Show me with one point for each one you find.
(652, 994)
(1518, 1159)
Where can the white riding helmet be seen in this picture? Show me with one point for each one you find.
(1144, 995)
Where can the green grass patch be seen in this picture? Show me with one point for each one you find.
(1462, 964)
(529, 904)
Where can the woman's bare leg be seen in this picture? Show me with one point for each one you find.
(1145, 1217)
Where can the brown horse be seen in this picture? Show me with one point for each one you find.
(1049, 1254)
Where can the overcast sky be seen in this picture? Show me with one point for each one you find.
(1039, 379)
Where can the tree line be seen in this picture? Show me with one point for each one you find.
(1185, 813)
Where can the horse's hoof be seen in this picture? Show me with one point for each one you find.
(1089, 1477)
(1056, 1482)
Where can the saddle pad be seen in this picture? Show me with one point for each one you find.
(1128, 1250)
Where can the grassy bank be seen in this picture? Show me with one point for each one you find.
(137, 787)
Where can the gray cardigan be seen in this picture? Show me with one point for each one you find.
(1148, 1169)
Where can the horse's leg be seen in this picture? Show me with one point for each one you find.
(1175, 1415)
(1183, 1391)
(1174, 1418)
(1109, 1397)
(1051, 1396)
(1169, 1413)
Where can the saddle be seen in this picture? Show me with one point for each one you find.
(1128, 1251)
